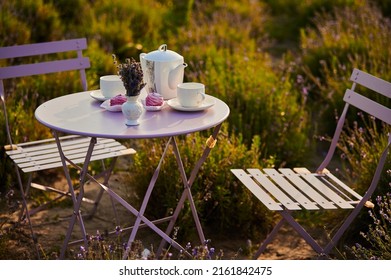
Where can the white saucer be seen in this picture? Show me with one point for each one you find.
(207, 103)
(96, 94)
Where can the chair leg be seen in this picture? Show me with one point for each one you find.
(287, 217)
(300, 230)
(25, 209)
(30, 185)
(269, 239)
(366, 197)
(106, 173)
(44, 205)
(333, 242)
(22, 214)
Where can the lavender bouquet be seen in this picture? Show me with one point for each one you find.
(131, 75)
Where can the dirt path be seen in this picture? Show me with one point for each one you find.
(51, 225)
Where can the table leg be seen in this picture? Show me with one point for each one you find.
(146, 200)
(130, 208)
(186, 194)
(76, 200)
(187, 186)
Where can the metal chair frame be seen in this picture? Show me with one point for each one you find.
(286, 190)
(42, 155)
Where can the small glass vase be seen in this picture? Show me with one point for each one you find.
(132, 110)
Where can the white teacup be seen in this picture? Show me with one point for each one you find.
(111, 85)
(190, 94)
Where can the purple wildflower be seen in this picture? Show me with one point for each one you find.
(195, 251)
(118, 230)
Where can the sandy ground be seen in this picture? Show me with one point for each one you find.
(50, 227)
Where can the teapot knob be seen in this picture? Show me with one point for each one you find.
(163, 48)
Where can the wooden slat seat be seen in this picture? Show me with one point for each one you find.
(298, 190)
(43, 156)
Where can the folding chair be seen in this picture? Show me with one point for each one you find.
(286, 190)
(43, 154)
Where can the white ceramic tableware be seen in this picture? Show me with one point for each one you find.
(207, 103)
(111, 85)
(163, 70)
(190, 94)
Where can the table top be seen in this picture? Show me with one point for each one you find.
(80, 114)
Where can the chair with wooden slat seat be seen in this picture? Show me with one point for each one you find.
(43, 154)
(289, 190)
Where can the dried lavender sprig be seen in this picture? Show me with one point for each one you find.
(131, 75)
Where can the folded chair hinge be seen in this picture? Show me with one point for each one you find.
(211, 142)
(10, 147)
(369, 204)
(323, 171)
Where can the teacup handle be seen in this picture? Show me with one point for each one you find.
(202, 96)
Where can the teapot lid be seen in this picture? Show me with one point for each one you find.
(162, 54)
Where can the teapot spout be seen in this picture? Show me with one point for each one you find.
(175, 76)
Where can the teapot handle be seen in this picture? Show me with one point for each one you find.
(163, 48)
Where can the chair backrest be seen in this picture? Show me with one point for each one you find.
(42, 67)
(354, 98)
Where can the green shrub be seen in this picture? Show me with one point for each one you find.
(288, 17)
(37, 20)
(231, 62)
(360, 148)
(377, 244)
(354, 37)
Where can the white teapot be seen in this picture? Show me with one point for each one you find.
(163, 70)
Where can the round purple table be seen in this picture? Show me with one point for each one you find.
(81, 114)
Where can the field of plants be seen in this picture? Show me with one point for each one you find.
(282, 66)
